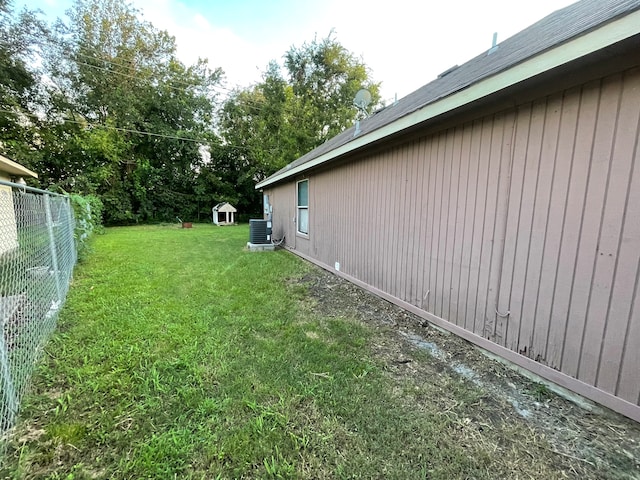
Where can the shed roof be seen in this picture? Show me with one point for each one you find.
(563, 36)
(225, 207)
(14, 168)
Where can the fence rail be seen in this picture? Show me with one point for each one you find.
(37, 256)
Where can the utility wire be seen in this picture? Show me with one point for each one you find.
(128, 130)
(141, 132)
(69, 54)
(135, 77)
(256, 105)
(66, 51)
(251, 103)
(127, 75)
(117, 64)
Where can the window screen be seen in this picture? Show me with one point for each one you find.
(303, 207)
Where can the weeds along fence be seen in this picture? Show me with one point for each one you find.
(37, 256)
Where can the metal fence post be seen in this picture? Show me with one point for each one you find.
(8, 390)
(52, 247)
(71, 227)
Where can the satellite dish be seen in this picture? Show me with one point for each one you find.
(363, 99)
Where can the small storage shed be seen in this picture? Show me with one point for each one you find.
(500, 201)
(223, 214)
(10, 171)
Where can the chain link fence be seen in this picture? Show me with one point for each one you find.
(37, 256)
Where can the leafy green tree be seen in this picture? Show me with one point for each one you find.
(255, 125)
(126, 119)
(18, 86)
(283, 117)
(110, 111)
(325, 78)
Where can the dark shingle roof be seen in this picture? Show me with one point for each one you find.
(557, 28)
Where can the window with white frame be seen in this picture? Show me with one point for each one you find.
(303, 207)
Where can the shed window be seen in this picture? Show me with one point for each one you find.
(303, 207)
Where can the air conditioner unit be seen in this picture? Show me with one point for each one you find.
(259, 231)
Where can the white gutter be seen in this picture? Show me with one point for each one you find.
(604, 36)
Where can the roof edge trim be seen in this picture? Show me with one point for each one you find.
(15, 168)
(608, 34)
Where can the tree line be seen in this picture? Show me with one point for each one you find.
(98, 103)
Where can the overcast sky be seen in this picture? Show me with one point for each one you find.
(405, 43)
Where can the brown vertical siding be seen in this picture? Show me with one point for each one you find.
(434, 218)
(283, 203)
(493, 326)
(533, 327)
(591, 213)
(521, 227)
(459, 274)
(409, 224)
(442, 220)
(614, 242)
(562, 330)
(413, 227)
(627, 384)
(550, 326)
(392, 217)
(598, 263)
(422, 202)
(451, 209)
(485, 300)
(469, 163)
(557, 269)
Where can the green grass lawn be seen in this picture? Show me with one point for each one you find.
(180, 355)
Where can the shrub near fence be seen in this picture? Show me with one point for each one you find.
(88, 215)
(37, 256)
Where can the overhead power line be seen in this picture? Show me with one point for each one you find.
(254, 104)
(120, 129)
(140, 132)
(69, 54)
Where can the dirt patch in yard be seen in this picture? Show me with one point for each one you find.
(487, 401)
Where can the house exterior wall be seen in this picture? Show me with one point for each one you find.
(519, 230)
(8, 228)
